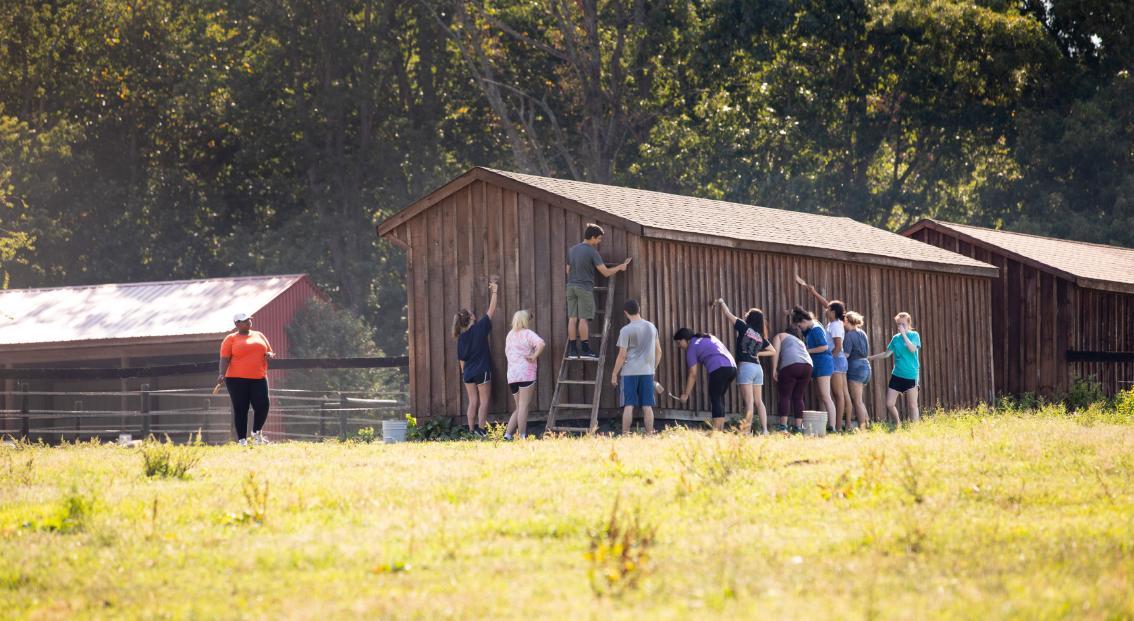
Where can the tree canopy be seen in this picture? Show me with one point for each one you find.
(161, 139)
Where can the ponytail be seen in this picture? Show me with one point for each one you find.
(461, 322)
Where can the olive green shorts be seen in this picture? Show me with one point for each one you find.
(580, 303)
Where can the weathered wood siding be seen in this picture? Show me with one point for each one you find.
(483, 229)
(948, 312)
(1037, 316)
(479, 231)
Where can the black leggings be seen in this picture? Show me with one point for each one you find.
(245, 392)
(719, 381)
(791, 385)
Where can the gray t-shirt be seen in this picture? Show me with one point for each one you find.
(583, 257)
(640, 339)
(793, 351)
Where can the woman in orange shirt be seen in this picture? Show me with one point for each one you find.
(244, 356)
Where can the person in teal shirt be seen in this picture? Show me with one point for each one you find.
(904, 347)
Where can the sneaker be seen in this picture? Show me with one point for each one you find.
(259, 438)
(242, 442)
(587, 354)
(480, 432)
(508, 437)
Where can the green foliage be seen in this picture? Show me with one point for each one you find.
(435, 428)
(166, 460)
(1084, 392)
(366, 435)
(70, 515)
(322, 330)
(1124, 403)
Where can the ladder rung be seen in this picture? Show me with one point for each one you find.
(571, 429)
(574, 406)
(600, 289)
(577, 381)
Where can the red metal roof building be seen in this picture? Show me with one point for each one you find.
(138, 324)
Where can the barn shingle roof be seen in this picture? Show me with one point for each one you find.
(1080, 260)
(181, 308)
(717, 222)
(703, 216)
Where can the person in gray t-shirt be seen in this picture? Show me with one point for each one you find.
(583, 261)
(639, 352)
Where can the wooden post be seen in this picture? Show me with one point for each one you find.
(25, 407)
(342, 418)
(78, 420)
(144, 410)
(322, 419)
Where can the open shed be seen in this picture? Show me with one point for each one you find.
(1061, 310)
(687, 252)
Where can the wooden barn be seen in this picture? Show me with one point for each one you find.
(1061, 309)
(133, 325)
(687, 251)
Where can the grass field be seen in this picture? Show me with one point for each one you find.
(965, 516)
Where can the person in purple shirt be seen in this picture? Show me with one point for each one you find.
(705, 350)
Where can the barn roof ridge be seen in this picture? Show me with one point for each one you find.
(710, 221)
(1091, 265)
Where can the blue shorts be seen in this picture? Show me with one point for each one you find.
(840, 364)
(749, 373)
(823, 366)
(858, 371)
(637, 390)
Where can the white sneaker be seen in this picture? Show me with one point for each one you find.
(260, 438)
(242, 442)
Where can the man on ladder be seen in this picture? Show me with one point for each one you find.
(583, 260)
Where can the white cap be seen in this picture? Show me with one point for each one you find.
(241, 317)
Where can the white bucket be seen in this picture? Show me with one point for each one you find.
(393, 431)
(814, 423)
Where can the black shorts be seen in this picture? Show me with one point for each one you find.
(516, 386)
(479, 380)
(901, 384)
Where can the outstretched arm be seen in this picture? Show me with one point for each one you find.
(493, 287)
(725, 311)
(814, 292)
(611, 271)
(885, 354)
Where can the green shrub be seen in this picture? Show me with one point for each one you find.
(366, 435)
(435, 428)
(167, 460)
(70, 516)
(1124, 404)
(1084, 392)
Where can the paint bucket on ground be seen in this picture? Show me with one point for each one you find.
(814, 423)
(393, 431)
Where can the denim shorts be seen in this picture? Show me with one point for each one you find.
(840, 364)
(750, 373)
(637, 390)
(858, 371)
(823, 366)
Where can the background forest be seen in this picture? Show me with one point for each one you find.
(169, 139)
